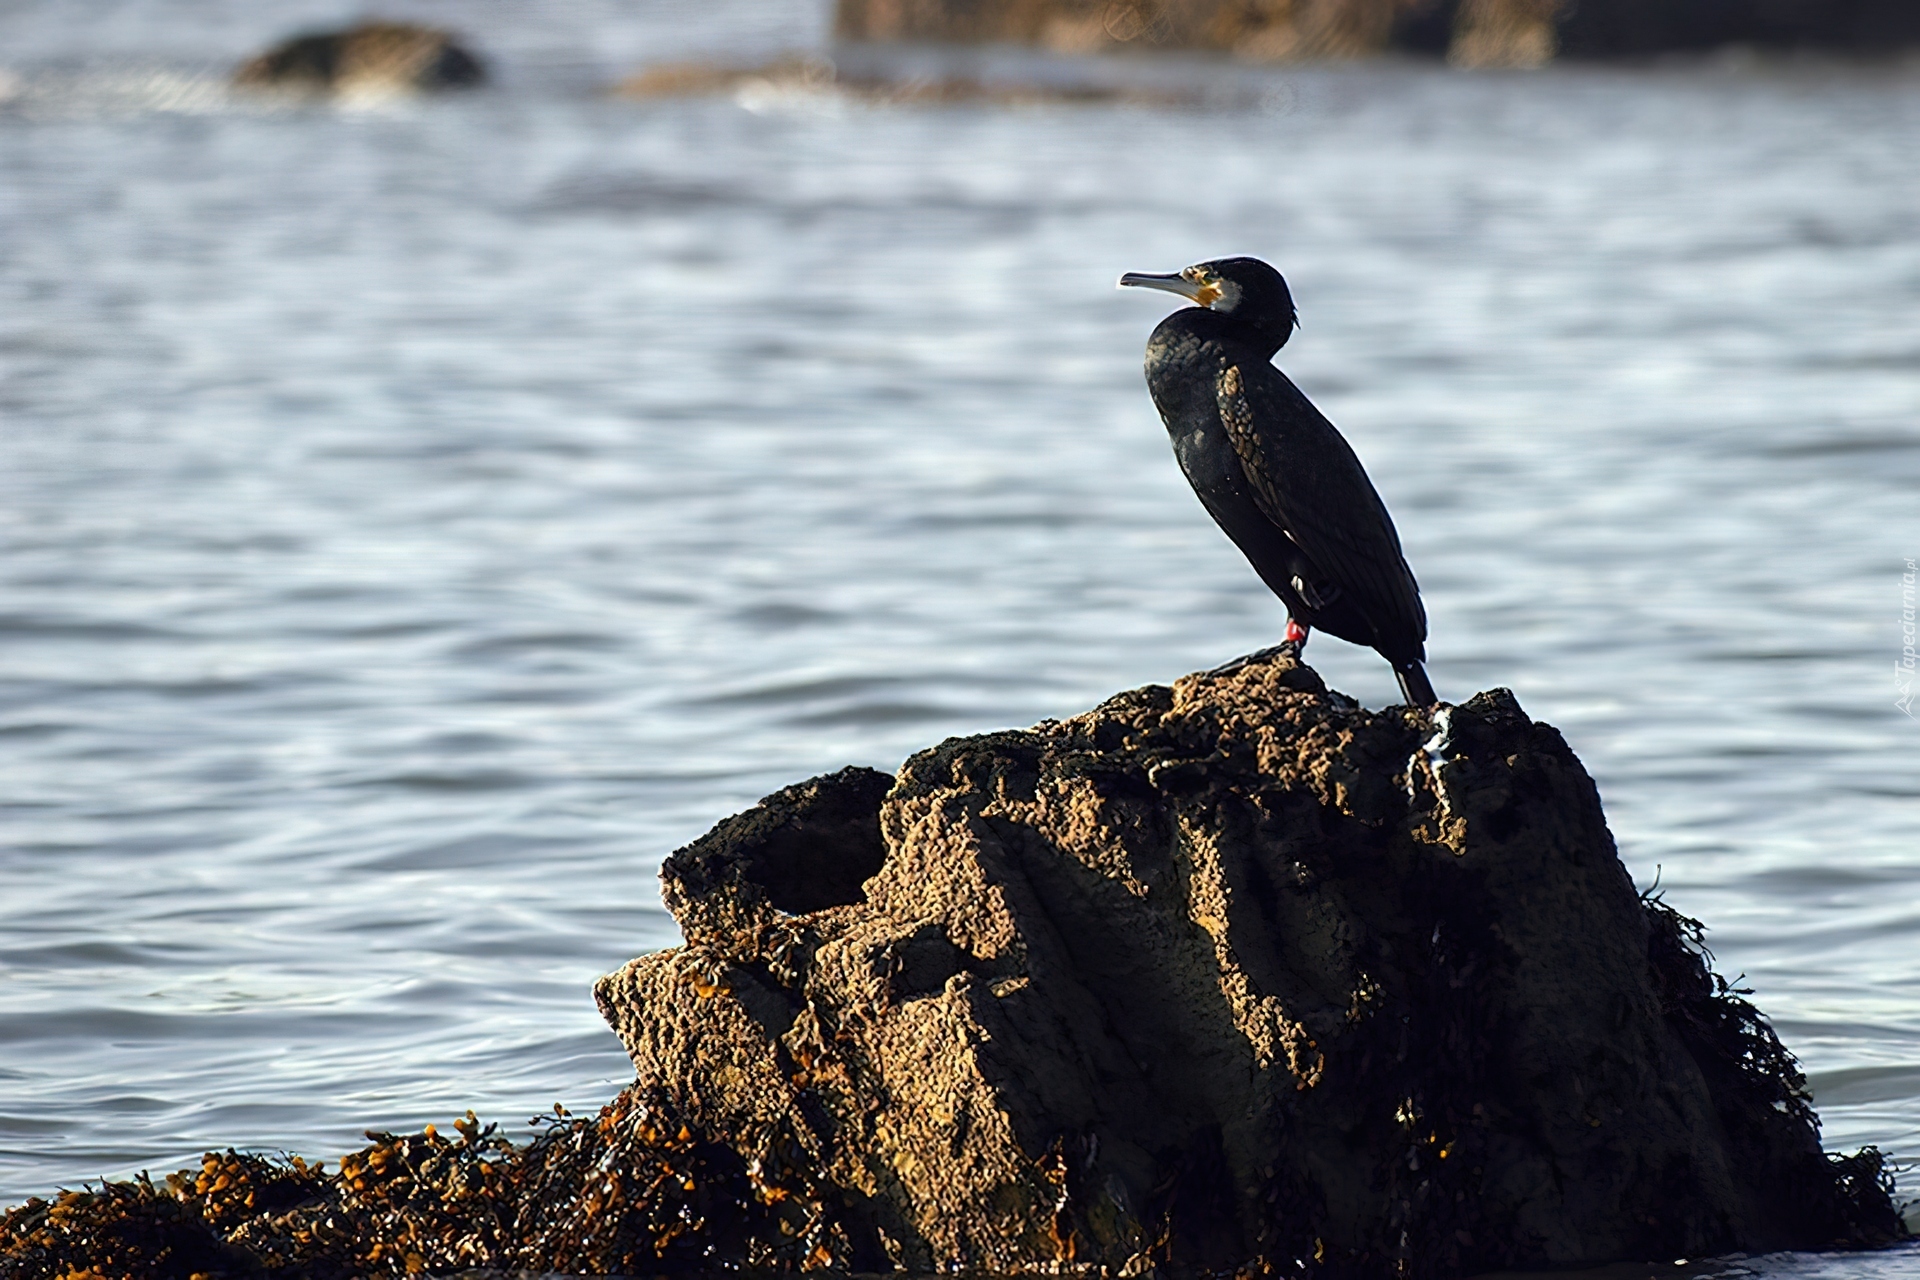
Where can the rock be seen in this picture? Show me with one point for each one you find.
(1232, 973)
(1629, 28)
(1472, 33)
(695, 79)
(374, 56)
(800, 850)
(793, 77)
(1509, 34)
(1264, 29)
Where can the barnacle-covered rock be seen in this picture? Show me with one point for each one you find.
(1230, 972)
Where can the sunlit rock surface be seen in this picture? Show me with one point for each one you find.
(1231, 971)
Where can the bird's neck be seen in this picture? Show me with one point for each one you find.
(1244, 334)
(1184, 358)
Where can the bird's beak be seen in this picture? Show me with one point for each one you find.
(1175, 283)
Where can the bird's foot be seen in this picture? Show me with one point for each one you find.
(1285, 649)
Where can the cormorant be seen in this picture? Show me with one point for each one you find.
(1272, 471)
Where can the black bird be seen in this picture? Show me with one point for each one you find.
(1272, 471)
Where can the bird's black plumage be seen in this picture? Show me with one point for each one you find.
(1273, 472)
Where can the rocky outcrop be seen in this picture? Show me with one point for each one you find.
(1230, 972)
(374, 56)
(1479, 33)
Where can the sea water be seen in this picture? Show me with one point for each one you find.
(419, 517)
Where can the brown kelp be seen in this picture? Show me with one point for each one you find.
(627, 1190)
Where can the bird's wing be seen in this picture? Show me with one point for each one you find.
(1306, 479)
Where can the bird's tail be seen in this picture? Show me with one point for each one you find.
(1415, 685)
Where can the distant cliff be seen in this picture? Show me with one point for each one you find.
(1467, 32)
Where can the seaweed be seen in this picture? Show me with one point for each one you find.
(1759, 1089)
(630, 1189)
(123, 1229)
(1714, 1015)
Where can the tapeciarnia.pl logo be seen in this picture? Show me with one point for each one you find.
(1903, 665)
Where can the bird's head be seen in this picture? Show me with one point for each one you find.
(1249, 291)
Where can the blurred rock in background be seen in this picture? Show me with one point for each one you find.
(1264, 29)
(792, 78)
(1470, 33)
(1503, 33)
(377, 56)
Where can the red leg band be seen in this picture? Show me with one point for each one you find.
(1296, 633)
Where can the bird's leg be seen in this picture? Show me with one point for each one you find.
(1296, 639)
